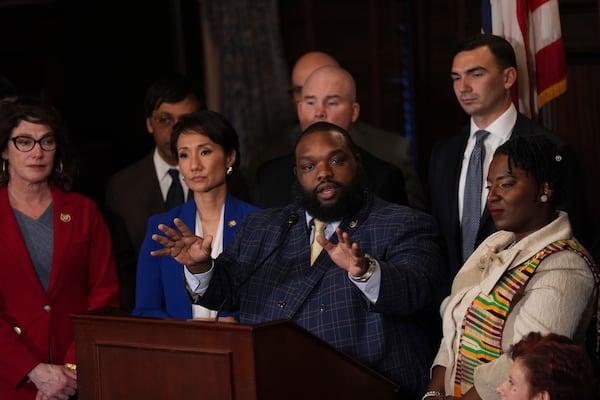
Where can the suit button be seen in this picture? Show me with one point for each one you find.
(281, 304)
(322, 307)
(47, 308)
(17, 329)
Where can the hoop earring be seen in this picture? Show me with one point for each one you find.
(229, 170)
(59, 170)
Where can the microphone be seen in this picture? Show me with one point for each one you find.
(291, 221)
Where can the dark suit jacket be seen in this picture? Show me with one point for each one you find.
(83, 278)
(323, 300)
(274, 179)
(444, 174)
(132, 196)
(160, 289)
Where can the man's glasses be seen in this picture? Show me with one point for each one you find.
(165, 121)
(26, 143)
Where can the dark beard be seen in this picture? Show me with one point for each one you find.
(352, 198)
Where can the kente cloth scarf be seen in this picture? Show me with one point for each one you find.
(482, 326)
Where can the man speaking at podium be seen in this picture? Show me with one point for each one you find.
(352, 269)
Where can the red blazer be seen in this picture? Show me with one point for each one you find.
(83, 277)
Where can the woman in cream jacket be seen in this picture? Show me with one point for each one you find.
(557, 294)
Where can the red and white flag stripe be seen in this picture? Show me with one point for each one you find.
(533, 28)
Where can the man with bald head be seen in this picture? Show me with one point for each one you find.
(283, 143)
(306, 65)
(328, 94)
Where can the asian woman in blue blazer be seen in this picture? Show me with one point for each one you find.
(207, 150)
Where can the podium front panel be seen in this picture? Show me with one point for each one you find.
(131, 372)
(123, 357)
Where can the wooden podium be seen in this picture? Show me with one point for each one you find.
(124, 357)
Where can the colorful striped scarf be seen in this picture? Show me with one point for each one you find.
(482, 326)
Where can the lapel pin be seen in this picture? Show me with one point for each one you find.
(65, 217)
(232, 223)
(353, 224)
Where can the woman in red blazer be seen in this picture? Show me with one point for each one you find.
(56, 255)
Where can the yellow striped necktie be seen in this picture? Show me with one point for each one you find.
(315, 247)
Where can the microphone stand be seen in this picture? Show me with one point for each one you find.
(292, 220)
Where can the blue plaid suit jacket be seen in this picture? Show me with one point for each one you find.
(266, 271)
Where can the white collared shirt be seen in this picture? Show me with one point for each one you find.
(500, 131)
(164, 179)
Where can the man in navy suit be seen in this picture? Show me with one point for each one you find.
(484, 70)
(377, 269)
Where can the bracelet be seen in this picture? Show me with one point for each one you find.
(71, 367)
(370, 270)
(432, 393)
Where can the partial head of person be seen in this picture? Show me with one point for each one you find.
(166, 100)
(524, 182)
(305, 66)
(331, 182)
(548, 367)
(8, 91)
(206, 147)
(34, 144)
(484, 69)
(329, 94)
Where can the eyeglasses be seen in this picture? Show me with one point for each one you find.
(26, 143)
(166, 121)
(294, 91)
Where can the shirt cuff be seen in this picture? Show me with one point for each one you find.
(370, 288)
(198, 283)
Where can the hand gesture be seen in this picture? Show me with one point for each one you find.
(181, 244)
(346, 253)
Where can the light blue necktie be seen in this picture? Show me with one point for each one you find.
(472, 197)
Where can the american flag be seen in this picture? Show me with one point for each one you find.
(533, 28)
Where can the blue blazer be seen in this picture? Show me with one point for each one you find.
(160, 287)
(266, 271)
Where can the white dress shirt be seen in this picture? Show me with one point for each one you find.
(164, 179)
(500, 131)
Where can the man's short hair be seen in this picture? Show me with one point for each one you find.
(324, 126)
(171, 87)
(502, 50)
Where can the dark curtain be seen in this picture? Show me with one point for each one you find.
(253, 73)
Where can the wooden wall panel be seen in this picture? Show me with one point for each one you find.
(579, 124)
(440, 25)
